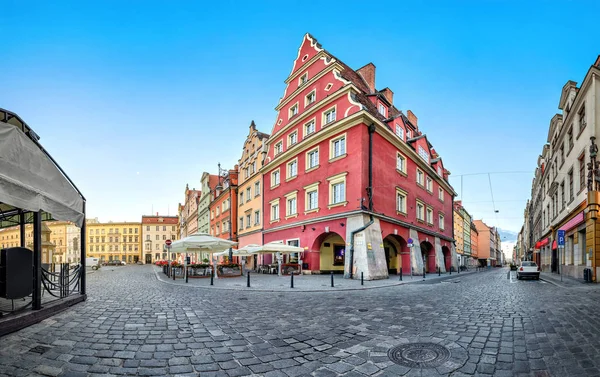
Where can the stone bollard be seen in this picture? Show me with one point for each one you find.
(331, 279)
(292, 279)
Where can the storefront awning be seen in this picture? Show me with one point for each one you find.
(578, 219)
(31, 181)
(554, 245)
(542, 243)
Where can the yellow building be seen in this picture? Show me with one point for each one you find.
(459, 232)
(62, 236)
(114, 240)
(250, 190)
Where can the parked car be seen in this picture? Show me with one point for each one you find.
(528, 269)
(93, 263)
(115, 262)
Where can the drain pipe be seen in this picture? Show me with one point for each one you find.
(370, 195)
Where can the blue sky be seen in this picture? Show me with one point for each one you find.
(135, 99)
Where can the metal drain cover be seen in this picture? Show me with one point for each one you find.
(419, 355)
(40, 349)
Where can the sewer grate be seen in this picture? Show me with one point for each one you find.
(40, 349)
(363, 310)
(419, 355)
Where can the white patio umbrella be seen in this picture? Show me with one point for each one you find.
(201, 243)
(275, 247)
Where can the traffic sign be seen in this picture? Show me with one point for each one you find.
(410, 242)
(168, 242)
(561, 238)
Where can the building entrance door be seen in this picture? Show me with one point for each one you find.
(554, 264)
(148, 258)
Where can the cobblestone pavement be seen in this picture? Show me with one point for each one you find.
(488, 324)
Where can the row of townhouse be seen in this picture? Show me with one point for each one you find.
(564, 190)
(477, 244)
(344, 174)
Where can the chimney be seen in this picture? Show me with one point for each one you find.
(412, 118)
(389, 95)
(368, 74)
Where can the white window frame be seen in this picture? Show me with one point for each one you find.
(293, 138)
(313, 121)
(400, 157)
(423, 154)
(308, 159)
(429, 215)
(420, 211)
(401, 201)
(314, 187)
(441, 194)
(294, 110)
(256, 188)
(326, 116)
(307, 98)
(257, 217)
(441, 218)
(275, 215)
(429, 184)
(332, 150)
(291, 197)
(278, 148)
(275, 174)
(420, 177)
(381, 109)
(289, 173)
(303, 79)
(408, 134)
(333, 181)
(399, 131)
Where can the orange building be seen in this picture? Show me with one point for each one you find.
(223, 208)
(474, 242)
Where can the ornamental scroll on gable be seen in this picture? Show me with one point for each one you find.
(593, 183)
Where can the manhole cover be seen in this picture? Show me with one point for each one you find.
(40, 349)
(419, 355)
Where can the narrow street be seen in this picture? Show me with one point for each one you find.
(133, 324)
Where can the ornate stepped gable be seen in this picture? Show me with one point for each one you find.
(316, 70)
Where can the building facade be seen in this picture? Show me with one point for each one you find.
(459, 233)
(565, 185)
(188, 212)
(208, 183)
(250, 198)
(62, 236)
(223, 208)
(156, 230)
(474, 244)
(350, 178)
(487, 244)
(114, 240)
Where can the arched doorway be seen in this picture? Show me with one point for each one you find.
(331, 249)
(447, 257)
(397, 254)
(428, 255)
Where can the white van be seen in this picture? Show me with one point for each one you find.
(93, 263)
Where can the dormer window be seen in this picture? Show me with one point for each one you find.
(399, 131)
(382, 109)
(424, 154)
(293, 110)
(439, 170)
(408, 133)
(303, 79)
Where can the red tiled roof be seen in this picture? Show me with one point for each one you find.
(167, 220)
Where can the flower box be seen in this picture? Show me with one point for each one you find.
(229, 270)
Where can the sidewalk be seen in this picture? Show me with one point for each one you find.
(567, 282)
(304, 283)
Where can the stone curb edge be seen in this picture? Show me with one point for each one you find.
(293, 290)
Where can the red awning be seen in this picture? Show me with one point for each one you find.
(542, 243)
(554, 245)
(538, 245)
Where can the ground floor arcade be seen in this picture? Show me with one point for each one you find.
(382, 249)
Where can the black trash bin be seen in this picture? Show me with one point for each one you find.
(587, 275)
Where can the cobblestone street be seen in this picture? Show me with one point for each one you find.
(133, 324)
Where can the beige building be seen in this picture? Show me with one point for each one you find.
(250, 189)
(63, 236)
(188, 212)
(208, 183)
(156, 230)
(114, 240)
